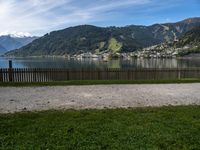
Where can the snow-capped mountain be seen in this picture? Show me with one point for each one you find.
(15, 40)
(89, 38)
(15, 34)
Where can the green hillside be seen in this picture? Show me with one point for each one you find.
(114, 46)
(190, 41)
(88, 38)
(192, 37)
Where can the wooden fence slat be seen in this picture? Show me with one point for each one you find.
(53, 74)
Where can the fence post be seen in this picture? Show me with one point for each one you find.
(67, 74)
(1, 75)
(179, 74)
(98, 74)
(128, 74)
(10, 71)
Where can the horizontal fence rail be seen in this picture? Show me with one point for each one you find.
(48, 75)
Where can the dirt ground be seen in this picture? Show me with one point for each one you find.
(15, 99)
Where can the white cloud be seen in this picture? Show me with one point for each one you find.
(41, 16)
(16, 34)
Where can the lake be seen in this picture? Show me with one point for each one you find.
(89, 63)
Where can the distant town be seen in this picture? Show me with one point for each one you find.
(156, 51)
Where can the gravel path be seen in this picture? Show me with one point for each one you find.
(14, 99)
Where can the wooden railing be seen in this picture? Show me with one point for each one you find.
(47, 75)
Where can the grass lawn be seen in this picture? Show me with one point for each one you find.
(96, 82)
(140, 128)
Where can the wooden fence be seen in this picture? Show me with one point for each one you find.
(47, 75)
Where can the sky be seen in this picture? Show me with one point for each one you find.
(38, 17)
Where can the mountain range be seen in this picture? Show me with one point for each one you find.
(188, 43)
(2, 49)
(10, 42)
(88, 38)
(191, 37)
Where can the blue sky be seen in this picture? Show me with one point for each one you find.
(38, 17)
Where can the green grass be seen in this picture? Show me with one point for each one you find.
(114, 45)
(117, 129)
(96, 82)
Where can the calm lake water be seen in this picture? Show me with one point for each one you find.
(89, 63)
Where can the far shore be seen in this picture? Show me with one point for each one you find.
(69, 57)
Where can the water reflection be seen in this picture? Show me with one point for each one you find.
(89, 63)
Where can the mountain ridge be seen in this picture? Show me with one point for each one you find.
(2, 49)
(89, 38)
(191, 37)
(11, 43)
(188, 43)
